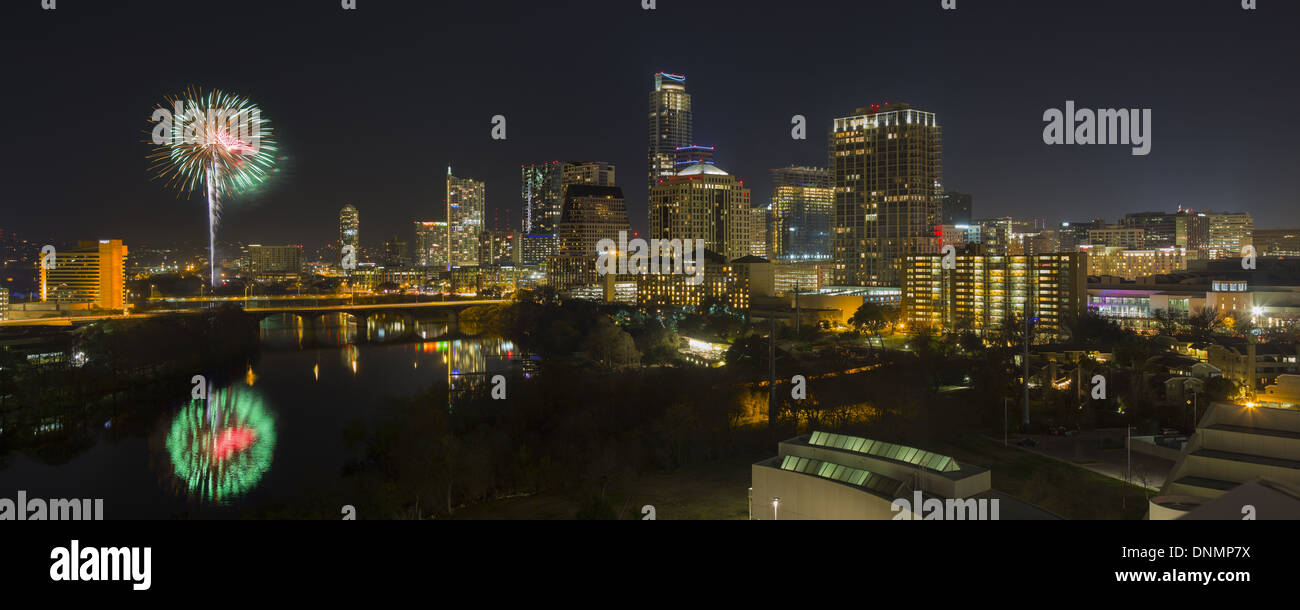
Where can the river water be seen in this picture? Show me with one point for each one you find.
(274, 434)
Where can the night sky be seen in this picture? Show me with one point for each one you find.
(372, 105)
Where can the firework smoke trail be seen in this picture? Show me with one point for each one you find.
(217, 142)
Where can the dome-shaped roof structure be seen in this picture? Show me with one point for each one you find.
(703, 169)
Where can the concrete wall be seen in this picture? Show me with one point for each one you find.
(805, 497)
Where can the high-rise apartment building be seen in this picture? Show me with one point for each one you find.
(591, 213)
(981, 293)
(90, 276)
(430, 244)
(499, 248)
(703, 202)
(803, 205)
(4, 304)
(887, 170)
(1229, 233)
(670, 125)
(275, 264)
(349, 227)
(466, 206)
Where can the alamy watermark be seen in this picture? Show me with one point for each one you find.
(656, 257)
(1106, 126)
(950, 509)
(39, 509)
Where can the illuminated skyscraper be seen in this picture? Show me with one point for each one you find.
(349, 228)
(703, 202)
(670, 125)
(90, 276)
(430, 244)
(591, 213)
(802, 207)
(543, 189)
(466, 206)
(887, 171)
(4, 303)
(543, 194)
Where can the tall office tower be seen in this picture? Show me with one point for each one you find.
(1229, 232)
(1160, 228)
(394, 253)
(996, 236)
(90, 276)
(275, 264)
(1192, 232)
(694, 155)
(887, 171)
(543, 190)
(498, 248)
(466, 206)
(760, 228)
(4, 304)
(599, 173)
(703, 202)
(803, 205)
(981, 293)
(350, 228)
(955, 208)
(543, 195)
(670, 125)
(591, 213)
(430, 244)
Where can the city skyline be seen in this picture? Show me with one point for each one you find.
(324, 166)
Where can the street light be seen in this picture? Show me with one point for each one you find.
(776, 504)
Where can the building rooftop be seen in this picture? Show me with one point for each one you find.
(702, 169)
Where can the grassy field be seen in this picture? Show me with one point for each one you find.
(718, 490)
(714, 491)
(1069, 491)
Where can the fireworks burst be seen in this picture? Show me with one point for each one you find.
(216, 142)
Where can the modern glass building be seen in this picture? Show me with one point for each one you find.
(886, 164)
(670, 125)
(349, 227)
(803, 204)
